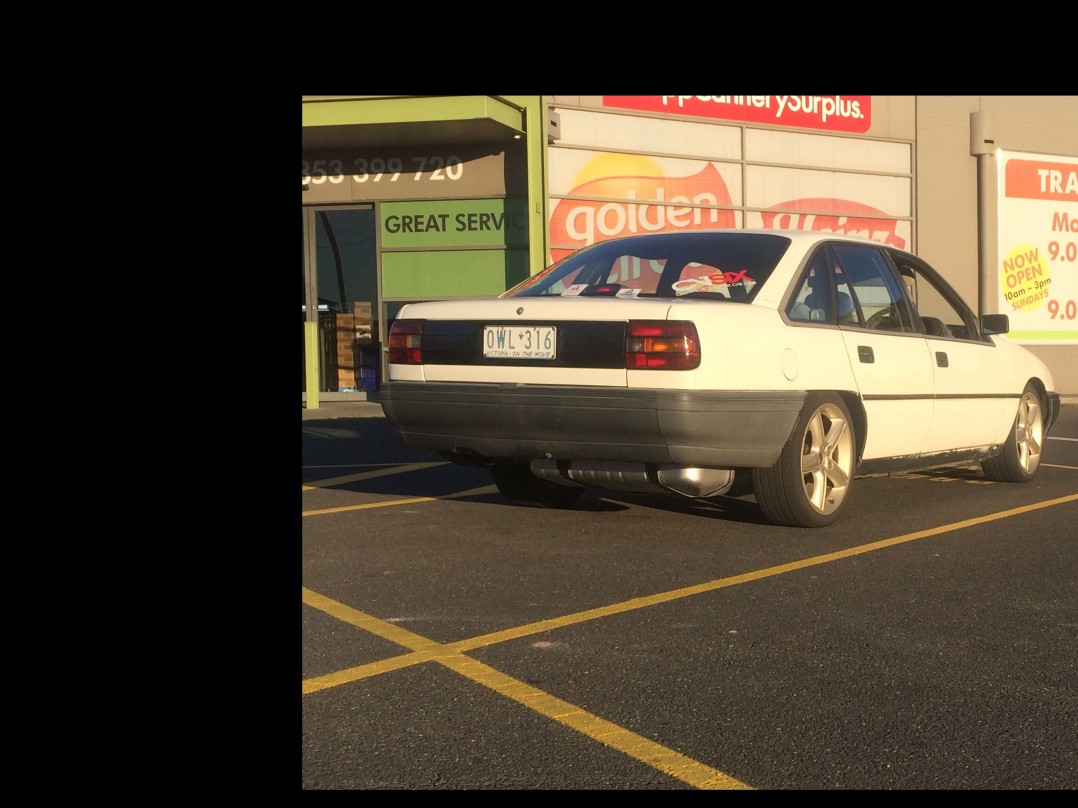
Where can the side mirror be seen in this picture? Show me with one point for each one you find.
(995, 323)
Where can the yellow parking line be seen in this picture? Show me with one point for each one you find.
(483, 489)
(330, 482)
(635, 746)
(666, 760)
(755, 575)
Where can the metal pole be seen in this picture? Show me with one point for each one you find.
(982, 145)
(985, 271)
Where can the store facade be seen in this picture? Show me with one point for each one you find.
(419, 198)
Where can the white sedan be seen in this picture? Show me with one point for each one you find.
(672, 361)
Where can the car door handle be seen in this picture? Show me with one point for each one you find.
(941, 359)
(864, 353)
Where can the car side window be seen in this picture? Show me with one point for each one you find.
(864, 276)
(943, 316)
(811, 301)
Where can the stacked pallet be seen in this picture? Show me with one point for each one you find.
(346, 353)
(357, 352)
(369, 359)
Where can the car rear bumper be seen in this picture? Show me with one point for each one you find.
(493, 422)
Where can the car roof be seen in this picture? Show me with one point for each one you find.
(802, 238)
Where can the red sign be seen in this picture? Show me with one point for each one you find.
(584, 221)
(697, 202)
(1037, 179)
(867, 226)
(835, 113)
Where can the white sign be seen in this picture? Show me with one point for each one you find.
(1038, 247)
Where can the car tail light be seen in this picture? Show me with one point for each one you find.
(406, 342)
(662, 345)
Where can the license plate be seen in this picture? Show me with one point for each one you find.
(520, 341)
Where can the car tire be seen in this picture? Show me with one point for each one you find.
(516, 482)
(809, 484)
(1021, 455)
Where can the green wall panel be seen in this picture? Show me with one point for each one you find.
(452, 273)
(455, 223)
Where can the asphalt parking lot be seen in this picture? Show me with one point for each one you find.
(453, 641)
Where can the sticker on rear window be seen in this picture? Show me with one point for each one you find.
(713, 282)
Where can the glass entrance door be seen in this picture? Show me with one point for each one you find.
(340, 293)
